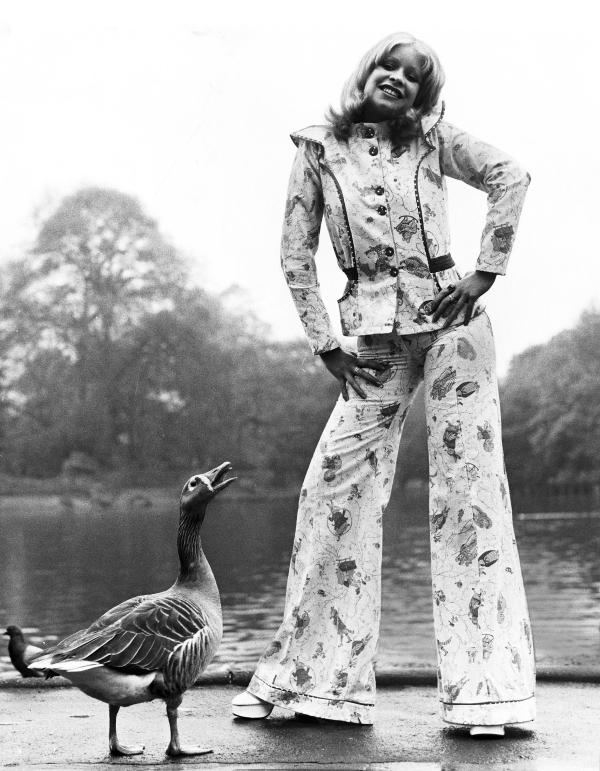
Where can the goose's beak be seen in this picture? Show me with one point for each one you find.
(215, 476)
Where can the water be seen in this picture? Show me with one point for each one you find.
(59, 570)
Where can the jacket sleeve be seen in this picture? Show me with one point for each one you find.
(480, 165)
(299, 242)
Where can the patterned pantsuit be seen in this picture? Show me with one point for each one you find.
(320, 661)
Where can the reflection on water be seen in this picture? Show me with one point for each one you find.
(59, 571)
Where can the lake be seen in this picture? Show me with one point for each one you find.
(60, 569)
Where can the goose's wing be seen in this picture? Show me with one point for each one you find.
(141, 638)
(118, 612)
(106, 619)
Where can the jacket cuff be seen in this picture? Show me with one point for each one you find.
(489, 266)
(330, 345)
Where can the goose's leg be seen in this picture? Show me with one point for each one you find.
(116, 748)
(174, 749)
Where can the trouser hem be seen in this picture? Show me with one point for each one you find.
(315, 706)
(489, 713)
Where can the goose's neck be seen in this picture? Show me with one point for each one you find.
(194, 568)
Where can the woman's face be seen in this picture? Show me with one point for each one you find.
(393, 85)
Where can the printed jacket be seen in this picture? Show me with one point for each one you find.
(386, 212)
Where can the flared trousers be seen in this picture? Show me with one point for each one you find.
(321, 660)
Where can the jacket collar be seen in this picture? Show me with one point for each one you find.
(431, 119)
(428, 122)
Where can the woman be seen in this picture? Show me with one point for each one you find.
(377, 172)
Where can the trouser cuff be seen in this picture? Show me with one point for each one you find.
(316, 706)
(489, 713)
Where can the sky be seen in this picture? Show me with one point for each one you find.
(188, 106)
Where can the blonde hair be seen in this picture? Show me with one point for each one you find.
(353, 97)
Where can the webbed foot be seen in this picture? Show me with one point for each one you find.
(117, 749)
(176, 750)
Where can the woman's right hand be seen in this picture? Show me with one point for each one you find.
(346, 367)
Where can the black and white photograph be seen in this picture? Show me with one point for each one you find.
(299, 385)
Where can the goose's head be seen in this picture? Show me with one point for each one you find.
(201, 488)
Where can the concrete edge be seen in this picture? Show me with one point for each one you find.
(386, 678)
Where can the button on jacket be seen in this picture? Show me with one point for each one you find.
(386, 212)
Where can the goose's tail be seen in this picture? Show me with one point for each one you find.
(47, 664)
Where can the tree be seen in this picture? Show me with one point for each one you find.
(551, 408)
(98, 266)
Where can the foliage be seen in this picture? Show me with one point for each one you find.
(107, 350)
(551, 408)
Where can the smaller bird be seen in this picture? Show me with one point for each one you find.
(20, 651)
(153, 646)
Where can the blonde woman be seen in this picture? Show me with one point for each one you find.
(376, 171)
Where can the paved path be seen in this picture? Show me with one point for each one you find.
(42, 727)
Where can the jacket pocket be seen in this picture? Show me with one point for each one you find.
(450, 276)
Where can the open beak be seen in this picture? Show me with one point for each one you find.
(216, 476)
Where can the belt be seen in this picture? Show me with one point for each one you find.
(443, 262)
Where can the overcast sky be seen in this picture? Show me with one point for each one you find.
(188, 106)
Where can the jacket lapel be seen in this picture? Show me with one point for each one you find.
(431, 119)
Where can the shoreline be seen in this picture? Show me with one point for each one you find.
(390, 677)
(106, 490)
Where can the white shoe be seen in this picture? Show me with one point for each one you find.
(487, 730)
(248, 705)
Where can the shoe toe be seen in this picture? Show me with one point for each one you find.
(487, 730)
(246, 699)
(248, 705)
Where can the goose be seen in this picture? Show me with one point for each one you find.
(20, 651)
(153, 646)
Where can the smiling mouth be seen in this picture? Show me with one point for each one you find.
(391, 91)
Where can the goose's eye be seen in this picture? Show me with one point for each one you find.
(192, 483)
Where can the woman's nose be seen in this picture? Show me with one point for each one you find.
(397, 75)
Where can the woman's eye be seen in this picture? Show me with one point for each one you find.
(388, 64)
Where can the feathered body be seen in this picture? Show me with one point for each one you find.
(155, 645)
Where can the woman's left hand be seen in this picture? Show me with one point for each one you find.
(462, 295)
